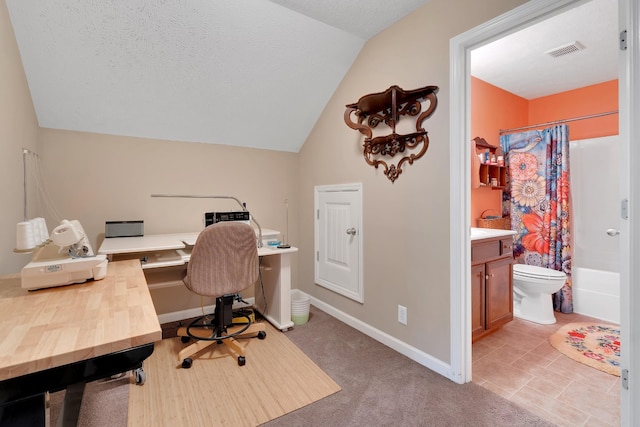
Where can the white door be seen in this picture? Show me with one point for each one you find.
(338, 239)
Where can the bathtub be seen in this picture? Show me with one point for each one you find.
(596, 293)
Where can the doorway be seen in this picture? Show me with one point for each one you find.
(461, 46)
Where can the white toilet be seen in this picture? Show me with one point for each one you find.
(532, 290)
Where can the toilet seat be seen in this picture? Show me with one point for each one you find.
(535, 272)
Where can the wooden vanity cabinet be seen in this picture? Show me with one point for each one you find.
(491, 285)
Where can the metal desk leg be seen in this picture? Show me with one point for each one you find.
(70, 411)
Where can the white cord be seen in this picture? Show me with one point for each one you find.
(45, 196)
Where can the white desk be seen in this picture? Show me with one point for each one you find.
(273, 299)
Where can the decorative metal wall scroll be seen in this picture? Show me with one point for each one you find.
(388, 107)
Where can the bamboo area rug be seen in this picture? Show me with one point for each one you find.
(278, 378)
(595, 345)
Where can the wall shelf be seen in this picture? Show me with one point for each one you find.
(388, 108)
(490, 171)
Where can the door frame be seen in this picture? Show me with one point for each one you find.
(460, 177)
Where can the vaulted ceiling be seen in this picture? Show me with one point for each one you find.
(254, 73)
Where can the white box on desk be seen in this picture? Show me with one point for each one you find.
(269, 235)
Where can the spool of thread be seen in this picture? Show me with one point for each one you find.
(37, 235)
(25, 236)
(42, 227)
(65, 234)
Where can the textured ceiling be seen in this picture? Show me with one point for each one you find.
(518, 63)
(252, 73)
(364, 18)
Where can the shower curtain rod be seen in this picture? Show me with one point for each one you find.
(559, 121)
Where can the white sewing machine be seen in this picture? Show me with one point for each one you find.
(66, 258)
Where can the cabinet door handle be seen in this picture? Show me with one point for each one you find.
(489, 275)
(351, 231)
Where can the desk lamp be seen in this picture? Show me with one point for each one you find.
(242, 205)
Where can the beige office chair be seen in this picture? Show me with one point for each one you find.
(224, 262)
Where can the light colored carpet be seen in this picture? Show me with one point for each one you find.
(595, 345)
(104, 403)
(278, 378)
(380, 387)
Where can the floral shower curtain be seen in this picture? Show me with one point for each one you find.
(538, 201)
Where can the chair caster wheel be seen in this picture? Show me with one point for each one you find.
(185, 340)
(241, 361)
(140, 376)
(186, 363)
(262, 335)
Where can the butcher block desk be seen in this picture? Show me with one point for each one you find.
(61, 338)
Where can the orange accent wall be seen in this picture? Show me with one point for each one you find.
(493, 109)
(599, 98)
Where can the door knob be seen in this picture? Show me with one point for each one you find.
(613, 232)
(351, 231)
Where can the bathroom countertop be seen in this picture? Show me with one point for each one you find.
(488, 233)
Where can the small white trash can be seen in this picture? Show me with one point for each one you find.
(299, 307)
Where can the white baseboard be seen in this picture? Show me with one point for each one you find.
(174, 316)
(411, 352)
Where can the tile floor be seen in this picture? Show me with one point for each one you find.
(518, 363)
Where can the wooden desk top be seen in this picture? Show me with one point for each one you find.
(56, 326)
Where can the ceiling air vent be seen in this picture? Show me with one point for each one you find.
(565, 49)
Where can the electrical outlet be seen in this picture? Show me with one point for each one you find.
(402, 314)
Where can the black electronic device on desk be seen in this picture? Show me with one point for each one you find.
(215, 217)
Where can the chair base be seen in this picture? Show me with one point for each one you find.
(230, 343)
(223, 330)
